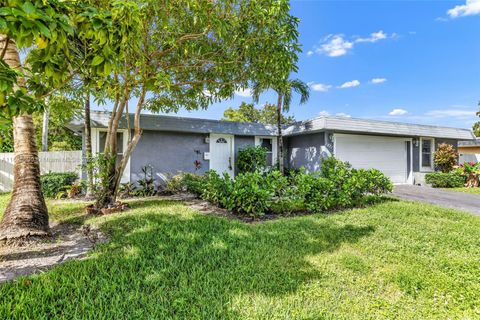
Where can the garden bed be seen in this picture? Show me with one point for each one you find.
(265, 194)
(69, 241)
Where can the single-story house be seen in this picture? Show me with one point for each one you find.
(404, 152)
(469, 151)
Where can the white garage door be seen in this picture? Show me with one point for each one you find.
(386, 154)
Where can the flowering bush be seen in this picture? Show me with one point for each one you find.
(471, 171)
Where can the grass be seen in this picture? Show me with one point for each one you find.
(466, 190)
(165, 261)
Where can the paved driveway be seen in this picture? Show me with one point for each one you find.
(442, 198)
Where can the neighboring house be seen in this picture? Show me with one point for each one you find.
(469, 151)
(404, 152)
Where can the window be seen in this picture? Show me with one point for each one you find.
(102, 139)
(426, 153)
(221, 140)
(267, 143)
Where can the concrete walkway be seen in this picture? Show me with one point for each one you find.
(447, 199)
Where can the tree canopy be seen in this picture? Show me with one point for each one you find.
(191, 53)
(247, 112)
(63, 110)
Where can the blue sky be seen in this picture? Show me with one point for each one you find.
(408, 61)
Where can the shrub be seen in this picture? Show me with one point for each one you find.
(445, 157)
(445, 180)
(217, 189)
(54, 183)
(285, 198)
(126, 190)
(251, 194)
(336, 186)
(186, 182)
(471, 172)
(147, 183)
(251, 159)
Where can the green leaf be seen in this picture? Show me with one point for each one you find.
(28, 7)
(3, 24)
(97, 60)
(43, 29)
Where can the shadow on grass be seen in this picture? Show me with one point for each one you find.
(163, 261)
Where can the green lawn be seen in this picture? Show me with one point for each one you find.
(466, 190)
(393, 260)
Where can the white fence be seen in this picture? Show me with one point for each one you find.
(55, 161)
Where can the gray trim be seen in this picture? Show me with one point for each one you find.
(474, 143)
(375, 127)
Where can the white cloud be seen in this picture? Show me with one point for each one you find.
(335, 46)
(378, 80)
(470, 8)
(325, 113)
(350, 84)
(398, 112)
(320, 87)
(244, 93)
(454, 113)
(374, 37)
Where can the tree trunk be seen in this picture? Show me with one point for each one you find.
(281, 164)
(88, 146)
(108, 196)
(26, 214)
(46, 116)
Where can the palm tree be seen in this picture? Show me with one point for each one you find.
(26, 214)
(285, 91)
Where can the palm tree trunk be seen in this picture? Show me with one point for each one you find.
(26, 214)
(46, 117)
(280, 159)
(88, 146)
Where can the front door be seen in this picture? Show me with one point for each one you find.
(221, 153)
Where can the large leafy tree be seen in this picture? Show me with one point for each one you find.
(97, 47)
(285, 90)
(44, 28)
(191, 53)
(247, 112)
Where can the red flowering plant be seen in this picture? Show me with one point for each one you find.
(471, 170)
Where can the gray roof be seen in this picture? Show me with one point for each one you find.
(473, 143)
(353, 125)
(180, 124)
(323, 123)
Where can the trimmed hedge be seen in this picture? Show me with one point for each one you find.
(53, 183)
(445, 180)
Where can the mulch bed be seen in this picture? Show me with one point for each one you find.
(68, 242)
